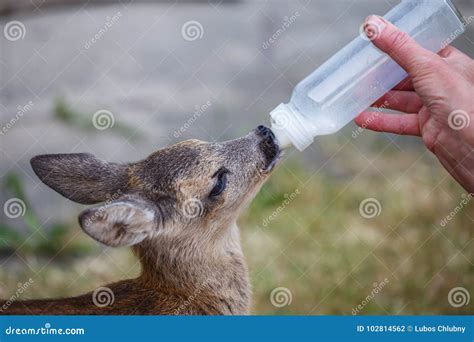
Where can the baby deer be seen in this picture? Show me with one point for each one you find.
(178, 210)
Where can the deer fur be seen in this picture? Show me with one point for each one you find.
(191, 264)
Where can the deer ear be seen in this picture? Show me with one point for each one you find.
(80, 177)
(124, 222)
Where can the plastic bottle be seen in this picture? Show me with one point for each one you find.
(359, 74)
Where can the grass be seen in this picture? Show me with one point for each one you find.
(318, 245)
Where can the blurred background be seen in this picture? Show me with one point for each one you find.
(120, 79)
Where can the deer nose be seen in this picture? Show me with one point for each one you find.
(265, 132)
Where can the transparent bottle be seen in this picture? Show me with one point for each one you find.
(359, 74)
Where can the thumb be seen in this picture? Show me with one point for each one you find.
(399, 45)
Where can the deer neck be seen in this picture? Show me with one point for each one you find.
(211, 265)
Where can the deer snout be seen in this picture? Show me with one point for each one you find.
(265, 132)
(268, 146)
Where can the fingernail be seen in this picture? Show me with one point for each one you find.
(373, 26)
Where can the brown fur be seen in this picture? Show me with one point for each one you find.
(191, 265)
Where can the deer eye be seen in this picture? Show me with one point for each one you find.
(220, 183)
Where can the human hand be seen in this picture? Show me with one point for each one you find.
(437, 99)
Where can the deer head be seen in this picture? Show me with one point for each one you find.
(191, 189)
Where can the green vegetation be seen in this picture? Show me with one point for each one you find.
(63, 112)
(51, 239)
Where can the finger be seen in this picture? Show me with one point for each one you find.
(399, 45)
(451, 52)
(458, 60)
(404, 124)
(406, 84)
(403, 101)
(447, 52)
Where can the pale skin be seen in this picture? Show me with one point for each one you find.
(436, 100)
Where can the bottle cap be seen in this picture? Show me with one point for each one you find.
(290, 127)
